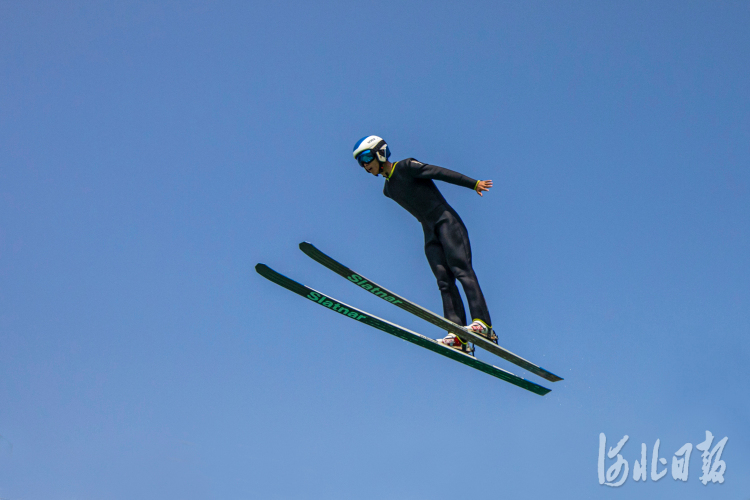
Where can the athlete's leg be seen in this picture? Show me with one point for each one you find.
(453, 306)
(454, 240)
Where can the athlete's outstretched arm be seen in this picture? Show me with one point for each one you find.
(425, 171)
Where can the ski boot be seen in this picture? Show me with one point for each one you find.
(456, 343)
(481, 328)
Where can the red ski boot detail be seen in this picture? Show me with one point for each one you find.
(454, 342)
(479, 327)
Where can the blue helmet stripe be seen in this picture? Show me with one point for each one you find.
(359, 142)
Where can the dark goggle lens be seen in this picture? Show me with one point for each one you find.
(365, 158)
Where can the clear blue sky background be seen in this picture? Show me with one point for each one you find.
(151, 153)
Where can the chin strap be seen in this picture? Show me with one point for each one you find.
(376, 150)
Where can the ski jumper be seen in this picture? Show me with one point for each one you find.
(446, 240)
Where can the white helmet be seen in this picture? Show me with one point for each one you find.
(368, 148)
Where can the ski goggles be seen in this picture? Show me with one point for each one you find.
(365, 157)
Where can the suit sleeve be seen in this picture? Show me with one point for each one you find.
(424, 171)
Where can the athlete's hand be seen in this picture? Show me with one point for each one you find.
(483, 186)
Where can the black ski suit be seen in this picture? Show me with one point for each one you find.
(446, 240)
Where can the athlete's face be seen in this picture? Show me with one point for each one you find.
(373, 167)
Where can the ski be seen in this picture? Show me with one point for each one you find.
(400, 332)
(311, 251)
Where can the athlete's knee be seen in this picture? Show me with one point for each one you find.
(445, 285)
(446, 282)
(462, 272)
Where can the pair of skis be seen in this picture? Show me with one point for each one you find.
(403, 333)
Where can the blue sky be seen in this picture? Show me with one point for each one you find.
(151, 153)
